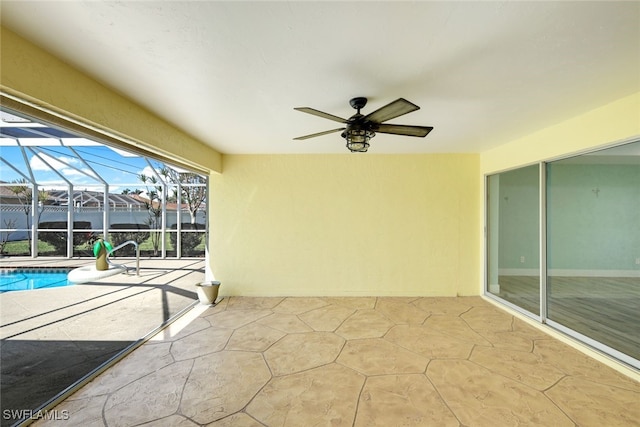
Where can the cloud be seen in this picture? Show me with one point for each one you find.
(72, 173)
(149, 172)
(45, 162)
(69, 167)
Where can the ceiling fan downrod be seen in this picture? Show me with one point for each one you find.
(358, 103)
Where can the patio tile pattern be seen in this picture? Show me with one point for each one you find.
(52, 337)
(356, 362)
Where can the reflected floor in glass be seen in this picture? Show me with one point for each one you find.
(523, 291)
(606, 309)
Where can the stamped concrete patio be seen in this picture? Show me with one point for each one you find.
(355, 362)
(50, 338)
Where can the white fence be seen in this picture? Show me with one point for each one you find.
(13, 217)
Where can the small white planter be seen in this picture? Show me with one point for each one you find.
(207, 292)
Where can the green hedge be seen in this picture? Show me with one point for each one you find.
(136, 232)
(58, 239)
(189, 240)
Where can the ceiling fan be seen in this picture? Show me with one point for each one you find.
(359, 129)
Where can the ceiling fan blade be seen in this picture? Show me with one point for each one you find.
(313, 135)
(420, 131)
(392, 110)
(321, 114)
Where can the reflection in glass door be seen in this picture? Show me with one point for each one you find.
(593, 246)
(513, 237)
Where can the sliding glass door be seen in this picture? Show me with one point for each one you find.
(593, 246)
(590, 240)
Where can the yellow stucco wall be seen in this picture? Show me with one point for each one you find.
(609, 124)
(31, 74)
(346, 225)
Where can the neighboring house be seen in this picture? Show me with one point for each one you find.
(81, 199)
(7, 197)
(95, 199)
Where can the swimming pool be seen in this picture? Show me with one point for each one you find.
(22, 279)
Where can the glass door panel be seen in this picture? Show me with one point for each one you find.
(593, 246)
(513, 237)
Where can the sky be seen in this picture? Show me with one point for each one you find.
(80, 161)
(82, 165)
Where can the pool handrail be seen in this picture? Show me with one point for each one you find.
(128, 242)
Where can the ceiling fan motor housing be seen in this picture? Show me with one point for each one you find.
(358, 103)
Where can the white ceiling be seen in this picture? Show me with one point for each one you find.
(230, 73)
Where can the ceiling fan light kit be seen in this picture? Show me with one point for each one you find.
(357, 138)
(359, 129)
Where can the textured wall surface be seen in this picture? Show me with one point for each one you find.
(594, 217)
(347, 224)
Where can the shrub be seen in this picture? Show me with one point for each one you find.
(189, 240)
(58, 239)
(135, 232)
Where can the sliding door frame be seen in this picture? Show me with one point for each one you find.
(542, 316)
(543, 242)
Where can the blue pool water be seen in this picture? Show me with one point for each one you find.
(27, 279)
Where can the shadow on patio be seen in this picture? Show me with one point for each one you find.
(51, 338)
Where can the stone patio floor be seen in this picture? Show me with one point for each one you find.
(50, 338)
(354, 362)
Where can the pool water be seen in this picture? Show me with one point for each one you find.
(28, 279)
